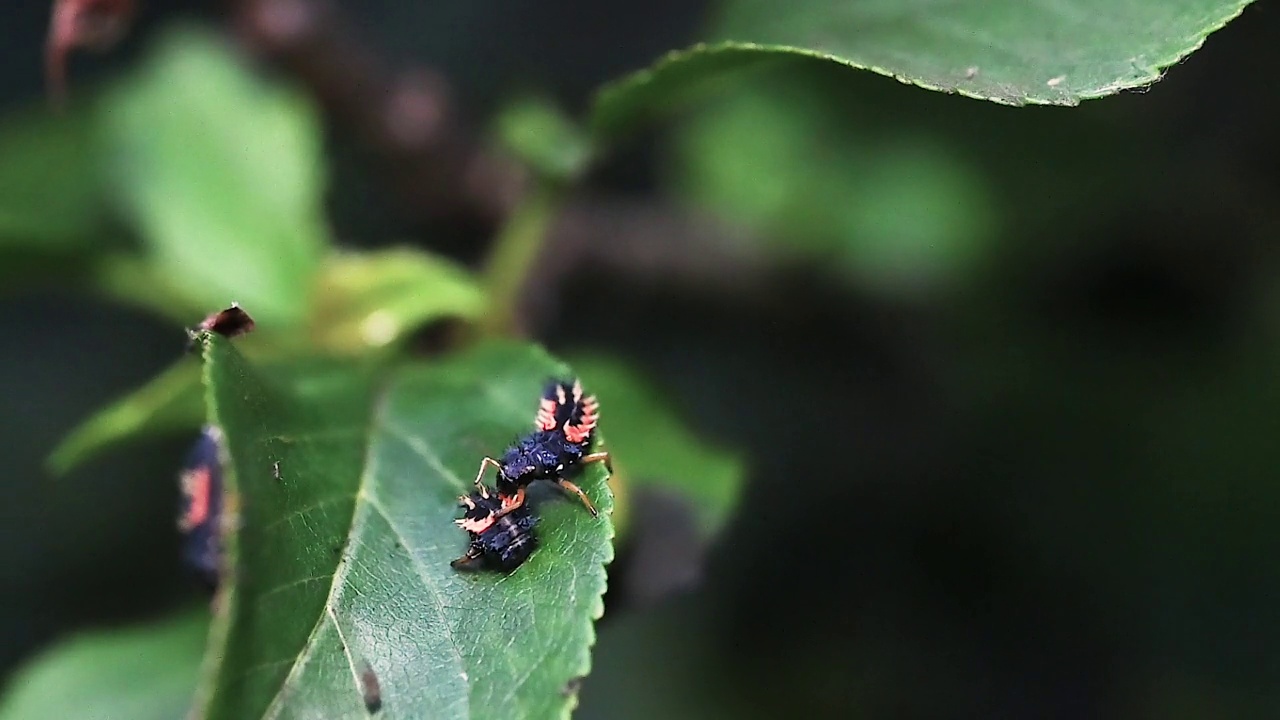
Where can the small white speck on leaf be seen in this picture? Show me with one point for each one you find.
(971, 72)
(1055, 82)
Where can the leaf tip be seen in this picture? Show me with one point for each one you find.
(64, 458)
(198, 340)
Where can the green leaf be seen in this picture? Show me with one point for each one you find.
(1014, 52)
(54, 213)
(677, 79)
(540, 135)
(372, 300)
(51, 194)
(650, 446)
(137, 280)
(170, 402)
(366, 302)
(347, 489)
(222, 174)
(146, 672)
(897, 211)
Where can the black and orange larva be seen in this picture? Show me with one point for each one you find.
(559, 446)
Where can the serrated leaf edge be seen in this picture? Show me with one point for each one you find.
(225, 602)
(1150, 72)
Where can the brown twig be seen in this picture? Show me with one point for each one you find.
(95, 25)
(646, 240)
(406, 119)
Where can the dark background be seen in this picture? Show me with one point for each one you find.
(1042, 488)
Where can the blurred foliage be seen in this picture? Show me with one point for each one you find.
(142, 673)
(1018, 363)
(897, 210)
(544, 139)
(371, 300)
(364, 303)
(49, 185)
(221, 175)
(650, 447)
(227, 205)
(170, 403)
(218, 209)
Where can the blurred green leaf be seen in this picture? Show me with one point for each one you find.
(51, 190)
(649, 445)
(222, 174)
(341, 563)
(371, 300)
(145, 672)
(894, 208)
(170, 402)
(139, 281)
(1013, 52)
(544, 138)
(366, 301)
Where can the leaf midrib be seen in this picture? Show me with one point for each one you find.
(275, 707)
(365, 502)
(368, 511)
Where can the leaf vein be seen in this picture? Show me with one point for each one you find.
(306, 510)
(290, 585)
(425, 452)
(276, 706)
(428, 582)
(346, 647)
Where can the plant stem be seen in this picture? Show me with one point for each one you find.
(512, 258)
